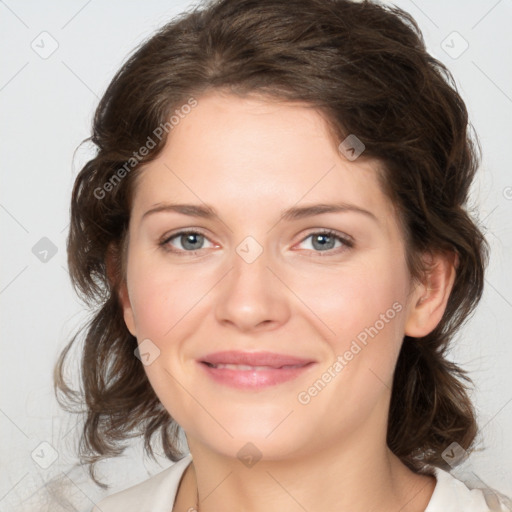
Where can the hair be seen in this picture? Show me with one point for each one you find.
(365, 68)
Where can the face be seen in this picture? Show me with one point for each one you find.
(328, 291)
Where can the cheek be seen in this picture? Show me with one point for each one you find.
(374, 330)
(354, 302)
(163, 305)
(162, 297)
(362, 310)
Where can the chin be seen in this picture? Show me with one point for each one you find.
(270, 438)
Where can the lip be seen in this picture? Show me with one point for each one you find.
(279, 368)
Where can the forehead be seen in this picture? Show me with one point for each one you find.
(245, 152)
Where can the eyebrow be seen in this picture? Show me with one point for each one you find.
(294, 213)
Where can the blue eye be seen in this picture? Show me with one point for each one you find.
(189, 240)
(323, 241)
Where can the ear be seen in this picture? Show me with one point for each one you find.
(113, 268)
(429, 298)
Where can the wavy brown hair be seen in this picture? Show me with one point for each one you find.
(365, 68)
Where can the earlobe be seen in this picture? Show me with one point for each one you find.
(123, 296)
(429, 300)
(124, 300)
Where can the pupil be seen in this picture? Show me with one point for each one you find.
(318, 238)
(189, 239)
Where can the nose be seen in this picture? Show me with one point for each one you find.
(253, 296)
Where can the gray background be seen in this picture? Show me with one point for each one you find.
(47, 102)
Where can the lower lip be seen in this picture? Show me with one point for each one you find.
(254, 379)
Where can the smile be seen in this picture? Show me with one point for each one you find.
(253, 370)
(245, 367)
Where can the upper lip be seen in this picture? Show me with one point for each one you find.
(271, 359)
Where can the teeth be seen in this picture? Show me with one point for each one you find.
(243, 367)
(246, 367)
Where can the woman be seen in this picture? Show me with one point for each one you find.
(275, 229)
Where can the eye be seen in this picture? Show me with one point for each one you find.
(190, 241)
(324, 241)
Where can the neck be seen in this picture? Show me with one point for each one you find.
(353, 475)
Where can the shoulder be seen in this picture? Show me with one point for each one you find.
(156, 494)
(454, 495)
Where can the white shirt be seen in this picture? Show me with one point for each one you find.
(158, 493)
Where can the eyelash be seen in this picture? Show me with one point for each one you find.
(346, 241)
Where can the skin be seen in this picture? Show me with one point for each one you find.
(250, 158)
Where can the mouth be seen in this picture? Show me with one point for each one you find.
(246, 367)
(256, 370)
